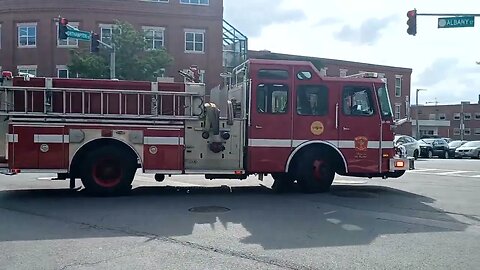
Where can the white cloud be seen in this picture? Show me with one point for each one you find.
(372, 31)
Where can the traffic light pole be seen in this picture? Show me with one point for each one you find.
(112, 58)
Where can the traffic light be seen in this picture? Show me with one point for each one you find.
(412, 22)
(94, 43)
(62, 29)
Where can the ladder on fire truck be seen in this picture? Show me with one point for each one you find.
(49, 103)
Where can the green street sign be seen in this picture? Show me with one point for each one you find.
(455, 22)
(78, 34)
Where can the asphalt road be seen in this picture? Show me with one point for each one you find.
(428, 219)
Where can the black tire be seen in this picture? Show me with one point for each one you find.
(315, 173)
(415, 154)
(283, 182)
(430, 154)
(108, 170)
(396, 174)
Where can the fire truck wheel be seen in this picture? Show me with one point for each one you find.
(283, 182)
(315, 174)
(108, 171)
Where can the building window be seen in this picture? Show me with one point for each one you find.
(467, 116)
(432, 116)
(27, 35)
(69, 42)
(343, 72)
(456, 116)
(456, 131)
(477, 131)
(323, 72)
(29, 69)
(195, 2)
(272, 98)
(467, 132)
(477, 116)
(442, 116)
(154, 36)
(62, 71)
(106, 32)
(398, 85)
(398, 108)
(201, 71)
(195, 41)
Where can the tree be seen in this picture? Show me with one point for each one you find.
(134, 59)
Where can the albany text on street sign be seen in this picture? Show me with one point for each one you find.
(453, 22)
(78, 34)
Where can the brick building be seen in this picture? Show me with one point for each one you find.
(398, 78)
(190, 30)
(445, 120)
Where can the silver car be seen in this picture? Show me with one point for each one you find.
(470, 149)
(411, 145)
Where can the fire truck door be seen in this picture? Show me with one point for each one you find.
(359, 128)
(270, 126)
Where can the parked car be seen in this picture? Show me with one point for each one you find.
(453, 145)
(470, 149)
(448, 140)
(411, 145)
(434, 147)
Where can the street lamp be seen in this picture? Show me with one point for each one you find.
(417, 135)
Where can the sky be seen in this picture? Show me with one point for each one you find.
(372, 31)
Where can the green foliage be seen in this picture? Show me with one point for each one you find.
(134, 61)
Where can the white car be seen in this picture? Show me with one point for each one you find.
(411, 145)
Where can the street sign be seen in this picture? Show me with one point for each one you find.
(78, 34)
(455, 22)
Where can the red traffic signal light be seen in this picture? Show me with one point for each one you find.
(62, 28)
(412, 22)
(94, 43)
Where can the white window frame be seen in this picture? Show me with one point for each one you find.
(62, 67)
(398, 110)
(194, 32)
(477, 131)
(343, 72)
(27, 69)
(155, 29)
(467, 132)
(456, 131)
(194, 2)
(29, 24)
(477, 116)
(70, 42)
(467, 116)
(103, 26)
(398, 87)
(323, 72)
(456, 116)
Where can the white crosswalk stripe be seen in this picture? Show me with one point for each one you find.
(443, 172)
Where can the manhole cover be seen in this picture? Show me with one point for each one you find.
(353, 194)
(209, 209)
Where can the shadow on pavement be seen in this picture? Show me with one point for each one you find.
(348, 215)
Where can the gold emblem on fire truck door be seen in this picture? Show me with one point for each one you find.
(361, 143)
(317, 128)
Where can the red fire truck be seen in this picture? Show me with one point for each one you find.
(270, 117)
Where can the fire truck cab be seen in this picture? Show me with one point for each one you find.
(270, 117)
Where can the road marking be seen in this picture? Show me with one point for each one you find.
(452, 172)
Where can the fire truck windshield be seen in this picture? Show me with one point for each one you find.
(384, 101)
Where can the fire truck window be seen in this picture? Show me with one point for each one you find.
(273, 74)
(272, 98)
(357, 101)
(312, 100)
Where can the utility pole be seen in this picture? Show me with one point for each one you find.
(417, 126)
(462, 120)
